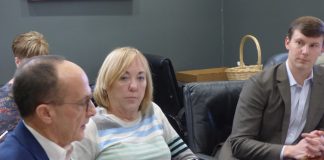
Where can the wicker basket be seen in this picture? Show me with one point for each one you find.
(243, 72)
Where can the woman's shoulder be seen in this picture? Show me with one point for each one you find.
(101, 116)
(155, 107)
(154, 110)
(100, 111)
(103, 119)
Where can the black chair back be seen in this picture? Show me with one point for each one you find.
(167, 92)
(210, 108)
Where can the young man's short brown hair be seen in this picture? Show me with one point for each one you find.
(308, 26)
(29, 44)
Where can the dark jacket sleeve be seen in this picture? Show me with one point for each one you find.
(252, 120)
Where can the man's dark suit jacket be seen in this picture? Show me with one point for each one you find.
(262, 115)
(21, 145)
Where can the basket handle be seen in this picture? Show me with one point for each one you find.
(257, 47)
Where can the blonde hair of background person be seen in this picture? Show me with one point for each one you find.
(29, 44)
(25, 45)
(108, 75)
(128, 125)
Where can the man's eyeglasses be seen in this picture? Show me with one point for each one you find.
(84, 104)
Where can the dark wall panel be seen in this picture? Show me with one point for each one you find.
(84, 31)
(267, 20)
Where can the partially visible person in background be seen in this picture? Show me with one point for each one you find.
(54, 100)
(24, 46)
(128, 125)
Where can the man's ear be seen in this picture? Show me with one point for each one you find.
(17, 61)
(45, 113)
(287, 41)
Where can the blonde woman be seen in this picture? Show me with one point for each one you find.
(128, 125)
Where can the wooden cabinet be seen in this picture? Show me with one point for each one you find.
(201, 75)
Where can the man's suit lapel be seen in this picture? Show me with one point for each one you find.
(284, 89)
(29, 142)
(316, 103)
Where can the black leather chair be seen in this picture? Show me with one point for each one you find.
(167, 91)
(92, 86)
(209, 109)
(275, 59)
(282, 57)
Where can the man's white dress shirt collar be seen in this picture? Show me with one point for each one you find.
(53, 151)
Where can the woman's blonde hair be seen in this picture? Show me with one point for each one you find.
(29, 44)
(113, 68)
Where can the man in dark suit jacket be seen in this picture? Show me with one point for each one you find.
(54, 100)
(280, 111)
